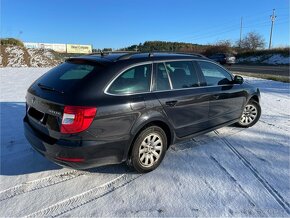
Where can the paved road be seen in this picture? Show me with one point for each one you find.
(270, 70)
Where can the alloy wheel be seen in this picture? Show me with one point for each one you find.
(150, 150)
(249, 114)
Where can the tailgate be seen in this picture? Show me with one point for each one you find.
(43, 115)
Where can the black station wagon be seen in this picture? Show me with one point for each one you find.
(104, 109)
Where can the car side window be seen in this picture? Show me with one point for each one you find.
(182, 74)
(134, 80)
(161, 78)
(214, 74)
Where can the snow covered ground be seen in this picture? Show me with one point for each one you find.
(227, 172)
(273, 59)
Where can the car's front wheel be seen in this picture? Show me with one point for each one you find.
(251, 114)
(149, 149)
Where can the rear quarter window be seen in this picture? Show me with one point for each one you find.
(132, 81)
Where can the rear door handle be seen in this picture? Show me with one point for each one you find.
(171, 103)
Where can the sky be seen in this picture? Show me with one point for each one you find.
(121, 23)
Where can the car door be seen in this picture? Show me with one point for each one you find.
(184, 101)
(125, 99)
(226, 98)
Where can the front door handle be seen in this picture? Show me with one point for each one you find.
(171, 103)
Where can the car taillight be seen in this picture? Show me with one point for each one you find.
(77, 119)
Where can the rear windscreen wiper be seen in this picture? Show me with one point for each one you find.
(44, 87)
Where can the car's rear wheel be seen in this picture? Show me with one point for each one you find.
(149, 149)
(251, 114)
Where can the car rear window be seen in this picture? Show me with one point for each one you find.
(67, 75)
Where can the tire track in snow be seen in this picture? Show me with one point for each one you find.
(39, 183)
(276, 195)
(186, 145)
(242, 191)
(273, 125)
(85, 197)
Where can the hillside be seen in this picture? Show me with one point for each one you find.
(17, 56)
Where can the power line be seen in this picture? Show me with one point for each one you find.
(259, 16)
(256, 21)
(273, 17)
(241, 29)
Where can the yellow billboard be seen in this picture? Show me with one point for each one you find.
(79, 49)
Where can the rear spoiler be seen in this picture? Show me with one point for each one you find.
(86, 61)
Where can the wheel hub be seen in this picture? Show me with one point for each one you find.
(249, 114)
(150, 150)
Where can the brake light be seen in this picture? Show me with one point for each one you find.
(77, 119)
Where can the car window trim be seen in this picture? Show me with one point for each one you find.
(123, 71)
(169, 90)
(168, 76)
(154, 78)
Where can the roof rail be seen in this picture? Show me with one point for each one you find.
(185, 53)
(103, 53)
(151, 54)
(129, 55)
(192, 54)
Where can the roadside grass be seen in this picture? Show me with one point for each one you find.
(285, 79)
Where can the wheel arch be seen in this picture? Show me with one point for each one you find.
(255, 98)
(150, 122)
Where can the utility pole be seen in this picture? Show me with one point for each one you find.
(273, 17)
(241, 29)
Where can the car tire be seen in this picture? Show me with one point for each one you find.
(251, 114)
(148, 149)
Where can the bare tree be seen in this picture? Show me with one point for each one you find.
(252, 41)
(224, 43)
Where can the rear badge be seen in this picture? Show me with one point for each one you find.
(56, 113)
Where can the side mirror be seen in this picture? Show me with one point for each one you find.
(238, 80)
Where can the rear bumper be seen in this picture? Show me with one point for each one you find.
(81, 155)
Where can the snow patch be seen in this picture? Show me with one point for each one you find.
(41, 58)
(277, 59)
(15, 57)
(21, 57)
(274, 59)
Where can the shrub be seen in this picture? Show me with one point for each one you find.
(11, 41)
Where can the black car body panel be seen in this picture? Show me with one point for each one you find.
(119, 118)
